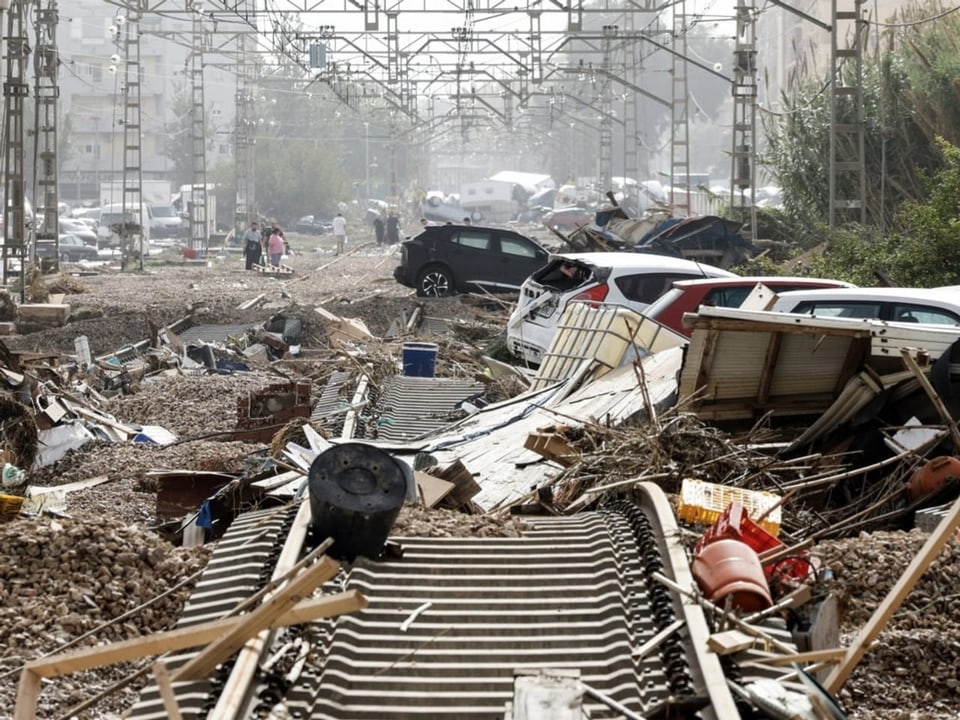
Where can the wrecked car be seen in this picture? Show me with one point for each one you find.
(631, 280)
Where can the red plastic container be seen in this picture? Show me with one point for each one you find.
(735, 524)
(728, 568)
(931, 477)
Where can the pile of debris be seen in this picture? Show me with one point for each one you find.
(811, 429)
(73, 583)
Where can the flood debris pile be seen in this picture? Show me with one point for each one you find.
(74, 583)
(798, 435)
(920, 648)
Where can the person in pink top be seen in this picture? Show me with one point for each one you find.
(275, 246)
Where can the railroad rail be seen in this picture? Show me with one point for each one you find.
(452, 621)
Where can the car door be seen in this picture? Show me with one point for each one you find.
(640, 289)
(926, 314)
(519, 258)
(472, 256)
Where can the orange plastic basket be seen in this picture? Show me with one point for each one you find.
(704, 503)
(10, 506)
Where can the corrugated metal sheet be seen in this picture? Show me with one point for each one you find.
(606, 334)
(746, 363)
(414, 406)
(490, 443)
(328, 411)
(435, 325)
(560, 597)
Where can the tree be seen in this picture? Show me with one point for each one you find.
(178, 137)
(925, 250)
(298, 152)
(909, 100)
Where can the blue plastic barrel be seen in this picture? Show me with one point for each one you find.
(419, 359)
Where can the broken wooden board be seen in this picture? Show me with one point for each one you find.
(466, 486)
(44, 313)
(432, 489)
(341, 328)
(167, 641)
(730, 641)
(553, 446)
(278, 270)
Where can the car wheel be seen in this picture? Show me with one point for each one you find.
(64, 257)
(435, 281)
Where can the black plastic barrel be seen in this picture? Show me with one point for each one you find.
(356, 492)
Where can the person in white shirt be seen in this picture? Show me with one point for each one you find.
(340, 231)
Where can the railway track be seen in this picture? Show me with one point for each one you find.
(453, 620)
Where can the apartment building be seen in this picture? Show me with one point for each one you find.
(90, 38)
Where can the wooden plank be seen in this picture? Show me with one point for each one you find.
(466, 486)
(169, 641)
(552, 446)
(28, 692)
(657, 640)
(948, 419)
(769, 367)
(706, 360)
(250, 303)
(811, 656)
(878, 621)
(166, 691)
(186, 637)
(255, 621)
(730, 641)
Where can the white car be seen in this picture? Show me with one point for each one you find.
(930, 306)
(632, 280)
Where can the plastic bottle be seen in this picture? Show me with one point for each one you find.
(12, 475)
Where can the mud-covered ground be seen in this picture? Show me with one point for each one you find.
(63, 577)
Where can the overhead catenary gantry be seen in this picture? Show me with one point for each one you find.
(199, 225)
(132, 233)
(743, 173)
(47, 95)
(17, 47)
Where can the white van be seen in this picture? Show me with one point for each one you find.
(112, 216)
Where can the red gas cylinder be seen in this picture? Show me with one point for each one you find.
(931, 477)
(731, 568)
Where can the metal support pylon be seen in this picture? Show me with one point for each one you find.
(199, 228)
(847, 170)
(743, 174)
(631, 126)
(679, 117)
(15, 240)
(133, 234)
(243, 139)
(605, 170)
(46, 93)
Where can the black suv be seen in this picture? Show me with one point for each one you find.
(446, 259)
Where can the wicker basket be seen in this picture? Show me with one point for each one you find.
(10, 506)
